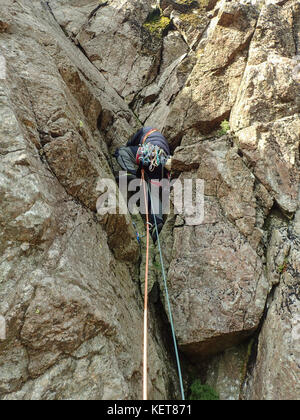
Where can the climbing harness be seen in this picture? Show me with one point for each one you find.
(151, 156)
(145, 360)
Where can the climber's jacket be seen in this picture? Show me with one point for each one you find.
(128, 159)
(127, 155)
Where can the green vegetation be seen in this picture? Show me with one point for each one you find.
(283, 267)
(225, 127)
(203, 392)
(157, 24)
(157, 265)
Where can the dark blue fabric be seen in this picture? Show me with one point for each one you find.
(134, 149)
(128, 162)
(156, 138)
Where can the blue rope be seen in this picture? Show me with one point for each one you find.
(168, 302)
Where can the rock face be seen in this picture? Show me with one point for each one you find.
(216, 277)
(221, 60)
(76, 80)
(72, 306)
(277, 364)
(266, 113)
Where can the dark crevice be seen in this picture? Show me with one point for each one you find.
(296, 28)
(94, 12)
(207, 127)
(159, 314)
(277, 212)
(50, 9)
(275, 219)
(255, 342)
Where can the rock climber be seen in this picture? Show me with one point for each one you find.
(149, 150)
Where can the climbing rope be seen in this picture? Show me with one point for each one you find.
(168, 303)
(145, 360)
(145, 353)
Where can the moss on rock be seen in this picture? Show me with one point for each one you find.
(157, 24)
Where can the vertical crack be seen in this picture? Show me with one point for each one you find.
(296, 27)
